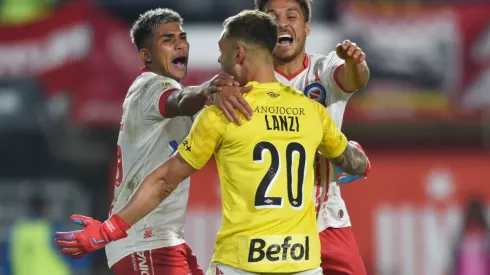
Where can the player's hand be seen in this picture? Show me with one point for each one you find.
(350, 52)
(95, 235)
(227, 94)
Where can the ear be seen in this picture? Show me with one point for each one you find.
(240, 52)
(307, 28)
(145, 55)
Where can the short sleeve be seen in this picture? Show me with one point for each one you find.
(155, 94)
(333, 141)
(204, 138)
(328, 71)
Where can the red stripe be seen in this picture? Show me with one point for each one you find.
(144, 70)
(318, 182)
(317, 73)
(306, 63)
(327, 165)
(336, 79)
(162, 103)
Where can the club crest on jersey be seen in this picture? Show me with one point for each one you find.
(317, 92)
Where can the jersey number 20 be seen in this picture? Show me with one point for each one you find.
(262, 200)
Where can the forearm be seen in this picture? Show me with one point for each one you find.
(151, 192)
(356, 75)
(191, 100)
(353, 161)
(186, 102)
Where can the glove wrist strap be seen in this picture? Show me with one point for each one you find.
(115, 228)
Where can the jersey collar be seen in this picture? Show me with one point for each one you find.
(263, 84)
(306, 63)
(144, 70)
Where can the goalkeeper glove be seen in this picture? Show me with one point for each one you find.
(95, 235)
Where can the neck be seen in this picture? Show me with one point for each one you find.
(261, 72)
(290, 67)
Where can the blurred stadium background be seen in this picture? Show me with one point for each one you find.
(424, 120)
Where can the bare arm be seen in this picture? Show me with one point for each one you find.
(186, 102)
(228, 96)
(156, 187)
(355, 73)
(353, 161)
(354, 76)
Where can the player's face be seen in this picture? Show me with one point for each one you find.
(227, 57)
(292, 28)
(170, 50)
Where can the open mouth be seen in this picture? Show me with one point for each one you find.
(285, 39)
(180, 61)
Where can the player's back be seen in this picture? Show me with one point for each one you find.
(146, 140)
(266, 173)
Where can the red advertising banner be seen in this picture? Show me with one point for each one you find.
(428, 62)
(79, 51)
(406, 216)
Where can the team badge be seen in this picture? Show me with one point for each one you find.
(340, 214)
(317, 92)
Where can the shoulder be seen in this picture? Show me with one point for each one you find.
(323, 61)
(211, 114)
(151, 81)
(317, 107)
(162, 82)
(210, 120)
(292, 91)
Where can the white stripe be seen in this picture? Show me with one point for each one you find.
(151, 264)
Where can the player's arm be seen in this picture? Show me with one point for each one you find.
(155, 188)
(193, 154)
(349, 156)
(353, 160)
(226, 93)
(354, 73)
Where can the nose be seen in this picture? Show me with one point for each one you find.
(181, 44)
(282, 22)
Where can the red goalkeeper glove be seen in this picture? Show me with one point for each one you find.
(95, 235)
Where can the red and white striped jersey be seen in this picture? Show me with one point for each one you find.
(318, 81)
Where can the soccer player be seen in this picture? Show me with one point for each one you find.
(155, 120)
(331, 80)
(265, 166)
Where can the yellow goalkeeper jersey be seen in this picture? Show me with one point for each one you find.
(266, 173)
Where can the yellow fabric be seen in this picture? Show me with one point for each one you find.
(32, 250)
(259, 215)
